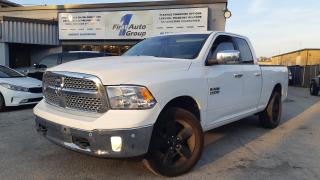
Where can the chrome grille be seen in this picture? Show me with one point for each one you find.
(75, 91)
(77, 83)
(84, 103)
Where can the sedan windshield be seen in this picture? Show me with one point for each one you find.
(8, 73)
(186, 46)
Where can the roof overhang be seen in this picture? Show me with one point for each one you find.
(113, 5)
(9, 3)
(28, 20)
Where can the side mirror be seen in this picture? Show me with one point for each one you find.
(225, 57)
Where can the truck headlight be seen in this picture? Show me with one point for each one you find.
(130, 97)
(14, 87)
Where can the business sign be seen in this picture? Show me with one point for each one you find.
(128, 25)
(131, 24)
(82, 26)
(179, 20)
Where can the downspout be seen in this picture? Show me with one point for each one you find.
(304, 69)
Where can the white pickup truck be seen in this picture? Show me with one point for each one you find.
(157, 100)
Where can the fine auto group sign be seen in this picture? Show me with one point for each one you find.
(131, 24)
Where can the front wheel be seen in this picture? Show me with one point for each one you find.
(176, 144)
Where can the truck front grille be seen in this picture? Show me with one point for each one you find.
(75, 91)
(84, 103)
(81, 84)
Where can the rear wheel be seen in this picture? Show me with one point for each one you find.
(2, 104)
(314, 90)
(271, 116)
(176, 144)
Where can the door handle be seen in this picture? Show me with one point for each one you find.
(237, 75)
(257, 74)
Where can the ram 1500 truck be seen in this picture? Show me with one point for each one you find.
(157, 100)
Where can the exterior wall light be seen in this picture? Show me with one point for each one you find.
(227, 13)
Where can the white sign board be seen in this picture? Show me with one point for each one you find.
(131, 24)
(82, 26)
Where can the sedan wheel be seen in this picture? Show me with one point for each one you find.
(2, 104)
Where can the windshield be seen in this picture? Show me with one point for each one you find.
(50, 61)
(8, 73)
(186, 46)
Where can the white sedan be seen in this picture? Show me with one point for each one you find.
(17, 89)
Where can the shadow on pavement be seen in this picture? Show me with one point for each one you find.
(18, 108)
(226, 139)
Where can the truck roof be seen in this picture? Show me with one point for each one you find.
(205, 32)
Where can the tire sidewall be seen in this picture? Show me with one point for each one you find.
(2, 102)
(266, 117)
(276, 96)
(312, 88)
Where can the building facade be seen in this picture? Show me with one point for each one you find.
(303, 65)
(303, 57)
(29, 33)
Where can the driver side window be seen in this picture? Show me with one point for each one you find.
(222, 43)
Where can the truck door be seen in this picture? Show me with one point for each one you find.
(251, 74)
(225, 83)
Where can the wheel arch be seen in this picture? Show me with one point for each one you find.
(185, 102)
(277, 88)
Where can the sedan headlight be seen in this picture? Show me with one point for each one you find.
(130, 97)
(14, 87)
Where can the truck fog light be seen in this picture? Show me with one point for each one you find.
(116, 143)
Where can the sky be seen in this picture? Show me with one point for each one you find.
(274, 26)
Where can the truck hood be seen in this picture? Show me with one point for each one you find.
(22, 81)
(122, 69)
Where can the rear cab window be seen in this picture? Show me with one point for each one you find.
(245, 51)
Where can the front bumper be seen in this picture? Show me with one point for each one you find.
(135, 142)
(17, 98)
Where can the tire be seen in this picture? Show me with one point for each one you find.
(314, 90)
(271, 116)
(176, 144)
(2, 103)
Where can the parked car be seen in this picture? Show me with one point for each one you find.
(16, 89)
(58, 58)
(315, 86)
(290, 77)
(159, 98)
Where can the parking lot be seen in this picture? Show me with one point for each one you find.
(241, 150)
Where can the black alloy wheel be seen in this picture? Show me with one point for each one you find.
(176, 144)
